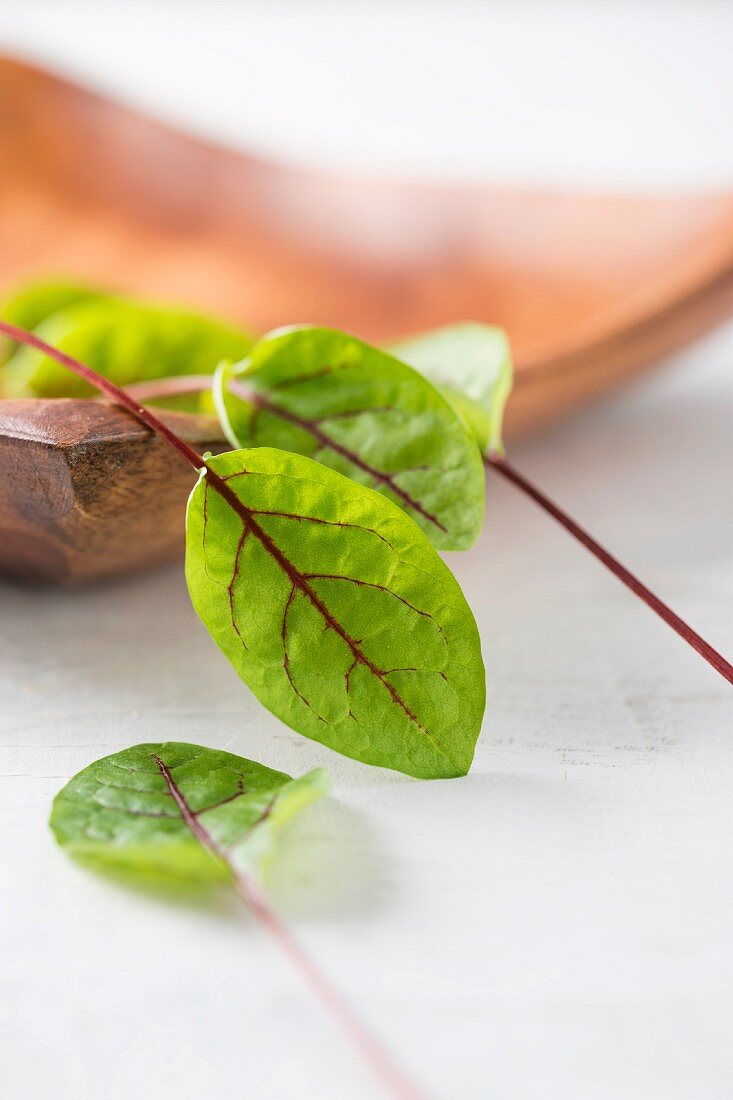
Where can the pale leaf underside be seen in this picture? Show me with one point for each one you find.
(177, 810)
(471, 364)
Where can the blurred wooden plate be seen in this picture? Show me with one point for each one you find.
(590, 288)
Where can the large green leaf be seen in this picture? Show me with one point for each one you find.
(125, 340)
(181, 811)
(472, 365)
(329, 396)
(337, 612)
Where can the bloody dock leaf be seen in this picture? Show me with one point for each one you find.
(337, 612)
(183, 813)
(326, 395)
(186, 812)
(124, 340)
(472, 365)
(32, 303)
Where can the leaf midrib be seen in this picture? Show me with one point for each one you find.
(199, 831)
(258, 399)
(299, 581)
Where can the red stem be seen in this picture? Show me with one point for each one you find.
(495, 461)
(109, 389)
(174, 386)
(120, 397)
(376, 1057)
(685, 631)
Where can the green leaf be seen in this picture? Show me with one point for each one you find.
(124, 340)
(31, 303)
(188, 813)
(329, 396)
(184, 815)
(471, 364)
(337, 612)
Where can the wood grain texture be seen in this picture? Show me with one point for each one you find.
(86, 492)
(590, 288)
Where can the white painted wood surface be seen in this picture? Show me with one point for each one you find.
(558, 924)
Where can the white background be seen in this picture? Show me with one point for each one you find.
(558, 924)
(603, 92)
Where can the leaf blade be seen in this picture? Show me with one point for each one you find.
(31, 303)
(125, 340)
(471, 364)
(120, 814)
(337, 612)
(324, 394)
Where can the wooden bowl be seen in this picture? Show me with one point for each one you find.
(591, 288)
(86, 492)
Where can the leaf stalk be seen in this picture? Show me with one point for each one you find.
(109, 389)
(375, 1056)
(493, 461)
(707, 652)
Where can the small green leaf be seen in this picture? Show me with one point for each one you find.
(188, 813)
(182, 815)
(472, 366)
(329, 396)
(335, 609)
(32, 303)
(124, 340)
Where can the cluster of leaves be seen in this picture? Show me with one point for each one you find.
(311, 549)
(312, 559)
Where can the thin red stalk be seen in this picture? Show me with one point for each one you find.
(685, 631)
(120, 397)
(213, 479)
(109, 389)
(175, 386)
(494, 461)
(375, 1056)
